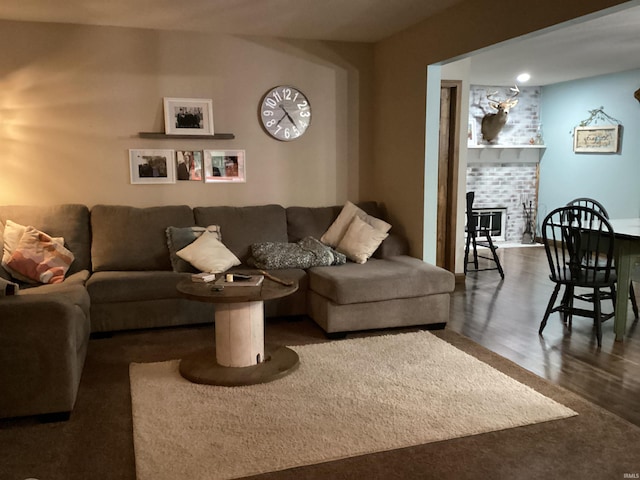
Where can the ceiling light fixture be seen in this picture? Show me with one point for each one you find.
(523, 77)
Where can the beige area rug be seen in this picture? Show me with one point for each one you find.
(347, 398)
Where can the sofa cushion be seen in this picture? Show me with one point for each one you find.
(241, 227)
(129, 238)
(180, 237)
(309, 221)
(208, 254)
(377, 280)
(114, 287)
(69, 221)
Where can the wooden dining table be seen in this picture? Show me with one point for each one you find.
(627, 252)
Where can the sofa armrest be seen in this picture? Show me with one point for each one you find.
(392, 246)
(43, 342)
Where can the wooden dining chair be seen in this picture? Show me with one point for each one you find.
(479, 234)
(575, 239)
(597, 206)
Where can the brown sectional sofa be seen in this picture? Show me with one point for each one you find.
(122, 278)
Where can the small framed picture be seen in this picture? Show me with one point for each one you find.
(596, 139)
(225, 166)
(152, 166)
(188, 116)
(189, 165)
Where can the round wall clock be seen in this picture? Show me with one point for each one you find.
(285, 113)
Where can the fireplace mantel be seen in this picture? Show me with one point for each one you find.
(505, 153)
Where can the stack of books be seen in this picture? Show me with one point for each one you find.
(203, 277)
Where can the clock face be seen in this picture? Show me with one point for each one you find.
(285, 113)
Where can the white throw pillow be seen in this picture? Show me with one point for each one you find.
(338, 228)
(208, 254)
(360, 240)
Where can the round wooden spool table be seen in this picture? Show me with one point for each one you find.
(240, 356)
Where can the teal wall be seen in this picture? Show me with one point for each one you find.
(612, 179)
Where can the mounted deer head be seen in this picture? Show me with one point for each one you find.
(492, 123)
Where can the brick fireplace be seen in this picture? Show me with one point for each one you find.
(504, 174)
(505, 186)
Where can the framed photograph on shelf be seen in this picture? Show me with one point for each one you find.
(188, 116)
(152, 166)
(222, 166)
(596, 139)
(189, 165)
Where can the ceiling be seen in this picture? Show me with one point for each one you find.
(340, 20)
(602, 45)
(606, 44)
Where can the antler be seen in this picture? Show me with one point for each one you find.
(510, 100)
(505, 104)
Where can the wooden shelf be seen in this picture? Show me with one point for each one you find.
(217, 136)
(505, 147)
(506, 153)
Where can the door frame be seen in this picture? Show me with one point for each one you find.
(448, 172)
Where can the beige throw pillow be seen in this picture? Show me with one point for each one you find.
(360, 240)
(338, 228)
(208, 254)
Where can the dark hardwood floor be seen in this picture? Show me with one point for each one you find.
(504, 316)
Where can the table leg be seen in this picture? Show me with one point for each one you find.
(622, 300)
(240, 334)
(240, 356)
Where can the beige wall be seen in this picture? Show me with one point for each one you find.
(73, 98)
(400, 100)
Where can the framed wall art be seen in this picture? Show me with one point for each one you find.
(152, 166)
(188, 116)
(224, 166)
(596, 139)
(189, 165)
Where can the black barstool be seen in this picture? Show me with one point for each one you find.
(478, 233)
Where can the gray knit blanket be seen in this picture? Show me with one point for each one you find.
(308, 252)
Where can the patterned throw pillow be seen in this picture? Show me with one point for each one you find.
(40, 258)
(180, 237)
